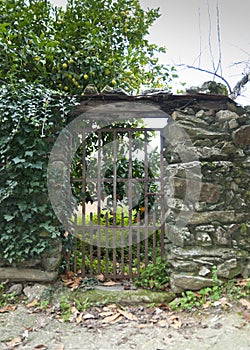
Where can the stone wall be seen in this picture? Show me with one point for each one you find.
(207, 194)
(207, 185)
(216, 236)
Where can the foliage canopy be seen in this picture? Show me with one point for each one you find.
(100, 42)
(46, 52)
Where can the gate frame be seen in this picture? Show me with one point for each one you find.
(131, 274)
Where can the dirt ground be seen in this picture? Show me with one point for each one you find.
(208, 330)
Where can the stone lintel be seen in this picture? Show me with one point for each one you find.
(14, 274)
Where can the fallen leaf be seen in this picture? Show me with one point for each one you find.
(158, 311)
(106, 313)
(68, 283)
(79, 318)
(127, 315)
(74, 310)
(32, 303)
(225, 302)
(162, 323)
(217, 303)
(241, 325)
(217, 325)
(71, 280)
(150, 310)
(173, 317)
(117, 320)
(88, 316)
(110, 306)
(242, 282)
(246, 316)
(70, 274)
(206, 305)
(245, 302)
(153, 320)
(25, 334)
(143, 325)
(41, 347)
(175, 322)
(109, 283)
(100, 278)
(112, 318)
(15, 341)
(7, 308)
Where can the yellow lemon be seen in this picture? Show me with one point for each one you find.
(86, 76)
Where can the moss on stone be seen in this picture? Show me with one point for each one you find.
(123, 297)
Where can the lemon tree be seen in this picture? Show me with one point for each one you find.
(102, 42)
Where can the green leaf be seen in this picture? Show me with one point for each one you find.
(18, 160)
(29, 153)
(8, 217)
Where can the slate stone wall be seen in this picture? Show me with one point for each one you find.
(216, 236)
(207, 184)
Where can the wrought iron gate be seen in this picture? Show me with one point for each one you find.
(119, 226)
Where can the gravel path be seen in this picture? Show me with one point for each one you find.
(212, 331)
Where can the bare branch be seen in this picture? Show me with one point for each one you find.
(198, 58)
(199, 16)
(209, 72)
(239, 63)
(238, 87)
(219, 65)
(240, 48)
(209, 35)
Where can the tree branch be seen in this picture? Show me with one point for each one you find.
(219, 66)
(238, 87)
(209, 72)
(199, 14)
(209, 35)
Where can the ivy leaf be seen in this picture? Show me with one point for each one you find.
(8, 217)
(17, 160)
(29, 153)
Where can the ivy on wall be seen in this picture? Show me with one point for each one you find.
(31, 117)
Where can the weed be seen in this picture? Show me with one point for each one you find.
(65, 306)
(154, 276)
(6, 298)
(232, 290)
(82, 305)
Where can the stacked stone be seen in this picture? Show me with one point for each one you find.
(207, 175)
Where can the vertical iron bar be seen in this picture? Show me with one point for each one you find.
(155, 231)
(130, 204)
(122, 246)
(162, 214)
(91, 245)
(106, 245)
(75, 243)
(138, 245)
(99, 160)
(114, 202)
(146, 211)
(84, 185)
